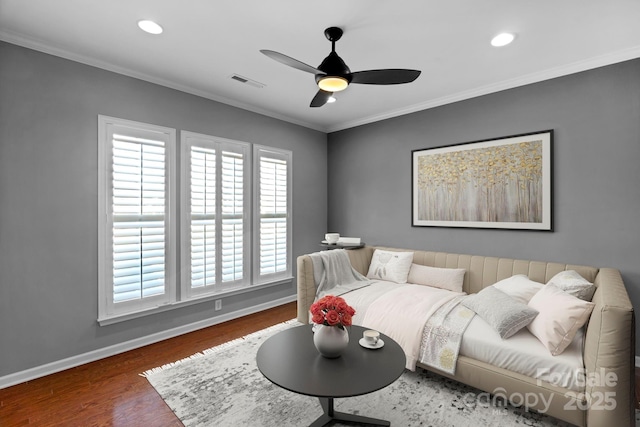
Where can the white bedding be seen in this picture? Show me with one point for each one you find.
(524, 354)
(361, 299)
(410, 307)
(399, 311)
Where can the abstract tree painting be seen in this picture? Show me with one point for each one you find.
(500, 183)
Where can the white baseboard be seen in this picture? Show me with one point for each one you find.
(92, 356)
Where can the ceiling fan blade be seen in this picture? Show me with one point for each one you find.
(321, 98)
(287, 60)
(385, 77)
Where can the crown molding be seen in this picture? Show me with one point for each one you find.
(20, 40)
(576, 67)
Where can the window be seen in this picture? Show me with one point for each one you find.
(228, 240)
(272, 214)
(215, 212)
(136, 235)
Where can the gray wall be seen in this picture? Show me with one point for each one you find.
(48, 199)
(596, 174)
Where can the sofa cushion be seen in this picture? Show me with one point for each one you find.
(574, 284)
(560, 316)
(443, 278)
(519, 287)
(505, 314)
(391, 266)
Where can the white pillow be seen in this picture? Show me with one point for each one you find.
(574, 284)
(391, 266)
(443, 278)
(519, 287)
(560, 316)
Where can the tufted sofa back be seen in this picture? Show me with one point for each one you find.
(482, 271)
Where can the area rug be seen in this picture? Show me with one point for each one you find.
(223, 387)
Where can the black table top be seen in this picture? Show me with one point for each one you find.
(290, 360)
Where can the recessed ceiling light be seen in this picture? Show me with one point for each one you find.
(331, 100)
(150, 27)
(502, 39)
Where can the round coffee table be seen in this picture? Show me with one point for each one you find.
(290, 360)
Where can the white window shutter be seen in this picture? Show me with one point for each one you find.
(215, 214)
(203, 217)
(135, 232)
(138, 217)
(233, 215)
(273, 213)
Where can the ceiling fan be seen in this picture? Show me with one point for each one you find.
(333, 75)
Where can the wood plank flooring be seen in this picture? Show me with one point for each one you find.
(110, 392)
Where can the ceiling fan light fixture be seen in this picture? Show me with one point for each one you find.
(333, 83)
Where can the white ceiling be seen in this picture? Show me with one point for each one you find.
(206, 41)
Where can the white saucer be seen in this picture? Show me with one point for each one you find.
(364, 344)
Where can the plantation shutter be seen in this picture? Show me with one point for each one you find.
(203, 217)
(135, 235)
(138, 218)
(217, 214)
(274, 228)
(233, 193)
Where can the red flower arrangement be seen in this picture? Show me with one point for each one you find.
(332, 311)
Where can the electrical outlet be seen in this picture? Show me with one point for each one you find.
(218, 305)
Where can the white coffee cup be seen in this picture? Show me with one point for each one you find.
(332, 238)
(371, 337)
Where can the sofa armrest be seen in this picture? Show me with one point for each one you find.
(306, 287)
(609, 354)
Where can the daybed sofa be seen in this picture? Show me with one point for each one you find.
(609, 338)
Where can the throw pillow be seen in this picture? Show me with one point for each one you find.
(504, 314)
(561, 315)
(443, 278)
(519, 287)
(391, 266)
(574, 284)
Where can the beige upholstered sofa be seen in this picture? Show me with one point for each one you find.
(609, 344)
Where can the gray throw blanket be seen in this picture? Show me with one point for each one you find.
(332, 272)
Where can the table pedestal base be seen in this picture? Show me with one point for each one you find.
(330, 415)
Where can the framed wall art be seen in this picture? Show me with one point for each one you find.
(495, 183)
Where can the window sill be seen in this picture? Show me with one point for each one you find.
(117, 318)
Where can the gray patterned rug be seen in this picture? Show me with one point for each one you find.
(223, 387)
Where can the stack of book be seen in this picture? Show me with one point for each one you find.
(349, 241)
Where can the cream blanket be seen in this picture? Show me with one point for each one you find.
(402, 314)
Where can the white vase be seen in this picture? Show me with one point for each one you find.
(330, 340)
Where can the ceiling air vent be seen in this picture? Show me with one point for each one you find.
(247, 81)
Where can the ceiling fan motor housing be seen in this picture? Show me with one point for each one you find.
(333, 65)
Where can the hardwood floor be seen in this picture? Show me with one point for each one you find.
(110, 392)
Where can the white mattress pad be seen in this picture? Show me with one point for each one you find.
(525, 354)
